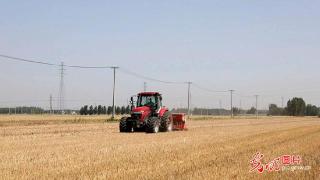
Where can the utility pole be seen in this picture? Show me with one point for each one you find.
(114, 90)
(189, 86)
(50, 104)
(144, 86)
(231, 105)
(282, 99)
(257, 112)
(61, 90)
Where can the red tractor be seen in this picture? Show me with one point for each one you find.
(147, 114)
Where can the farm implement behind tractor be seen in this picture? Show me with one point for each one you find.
(149, 115)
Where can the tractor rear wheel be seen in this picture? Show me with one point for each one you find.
(153, 125)
(124, 126)
(166, 122)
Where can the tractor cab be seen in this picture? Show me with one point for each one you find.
(150, 99)
(146, 104)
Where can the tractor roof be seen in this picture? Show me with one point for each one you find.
(149, 94)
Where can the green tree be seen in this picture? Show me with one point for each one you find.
(275, 110)
(100, 109)
(312, 110)
(81, 111)
(236, 111)
(118, 110)
(296, 107)
(90, 112)
(123, 110)
(128, 109)
(109, 110)
(95, 110)
(104, 111)
(252, 110)
(85, 110)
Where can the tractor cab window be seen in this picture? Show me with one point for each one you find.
(146, 101)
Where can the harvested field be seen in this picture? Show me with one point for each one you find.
(210, 149)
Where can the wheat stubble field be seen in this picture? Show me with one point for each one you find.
(63, 147)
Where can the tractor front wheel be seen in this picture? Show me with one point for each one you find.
(124, 126)
(153, 125)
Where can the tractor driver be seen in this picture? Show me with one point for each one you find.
(152, 104)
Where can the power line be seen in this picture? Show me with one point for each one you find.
(244, 96)
(52, 64)
(27, 60)
(89, 67)
(61, 98)
(9, 57)
(61, 88)
(149, 78)
(209, 90)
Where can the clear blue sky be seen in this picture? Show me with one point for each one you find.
(255, 47)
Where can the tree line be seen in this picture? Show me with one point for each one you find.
(295, 107)
(33, 110)
(97, 110)
(22, 110)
